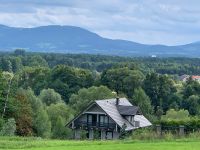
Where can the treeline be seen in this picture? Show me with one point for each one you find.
(40, 93)
(175, 66)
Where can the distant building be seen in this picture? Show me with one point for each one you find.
(153, 56)
(184, 78)
(196, 78)
(107, 119)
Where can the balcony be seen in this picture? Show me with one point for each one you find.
(99, 125)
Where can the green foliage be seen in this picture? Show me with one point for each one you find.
(34, 78)
(191, 88)
(83, 134)
(60, 131)
(19, 52)
(43, 124)
(144, 134)
(97, 134)
(176, 115)
(37, 107)
(2, 122)
(9, 128)
(37, 61)
(68, 80)
(23, 115)
(59, 110)
(192, 104)
(122, 79)
(191, 125)
(49, 96)
(123, 132)
(66, 77)
(86, 96)
(143, 101)
(159, 88)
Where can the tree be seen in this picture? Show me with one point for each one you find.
(191, 88)
(68, 80)
(37, 60)
(85, 96)
(35, 78)
(19, 52)
(122, 79)
(16, 64)
(192, 104)
(176, 115)
(59, 114)
(59, 109)
(49, 96)
(43, 124)
(8, 77)
(142, 100)
(59, 130)
(159, 88)
(23, 114)
(37, 107)
(9, 128)
(6, 64)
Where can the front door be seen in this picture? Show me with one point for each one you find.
(109, 135)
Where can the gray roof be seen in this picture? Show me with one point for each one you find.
(110, 107)
(127, 110)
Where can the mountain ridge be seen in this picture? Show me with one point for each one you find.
(72, 39)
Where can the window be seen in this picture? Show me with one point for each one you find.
(103, 120)
(130, 118)
(89, 118)
(106, 119)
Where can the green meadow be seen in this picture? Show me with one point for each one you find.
(41, 144)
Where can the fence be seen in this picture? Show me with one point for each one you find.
(180, 130)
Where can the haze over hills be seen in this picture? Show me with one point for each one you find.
(71, 39)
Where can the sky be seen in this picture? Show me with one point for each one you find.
(169, 22)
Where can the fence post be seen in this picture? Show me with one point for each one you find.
(158, 130)
(181, 130)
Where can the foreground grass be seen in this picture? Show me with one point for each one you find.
(40, 144)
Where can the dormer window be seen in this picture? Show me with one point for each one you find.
(130, 118)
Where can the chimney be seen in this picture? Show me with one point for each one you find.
(117, 101)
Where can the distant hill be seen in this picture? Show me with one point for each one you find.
(70, 39)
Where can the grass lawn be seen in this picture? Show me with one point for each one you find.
(39, 144)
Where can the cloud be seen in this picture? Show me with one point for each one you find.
(147, 21)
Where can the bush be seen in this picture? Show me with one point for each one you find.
(9, 128)
(150, 134)
(191, 125)
(2, 122)
(194, 135)
(144, 134)
(168, 136)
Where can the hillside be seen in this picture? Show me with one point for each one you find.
(70, 39)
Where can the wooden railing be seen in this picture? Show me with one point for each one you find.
(94, 124)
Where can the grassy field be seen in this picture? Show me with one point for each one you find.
(39, 144)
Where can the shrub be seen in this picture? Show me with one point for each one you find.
(194, 135)
(168, 136)
(2, 122)
(144, 134)
(9, 128)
